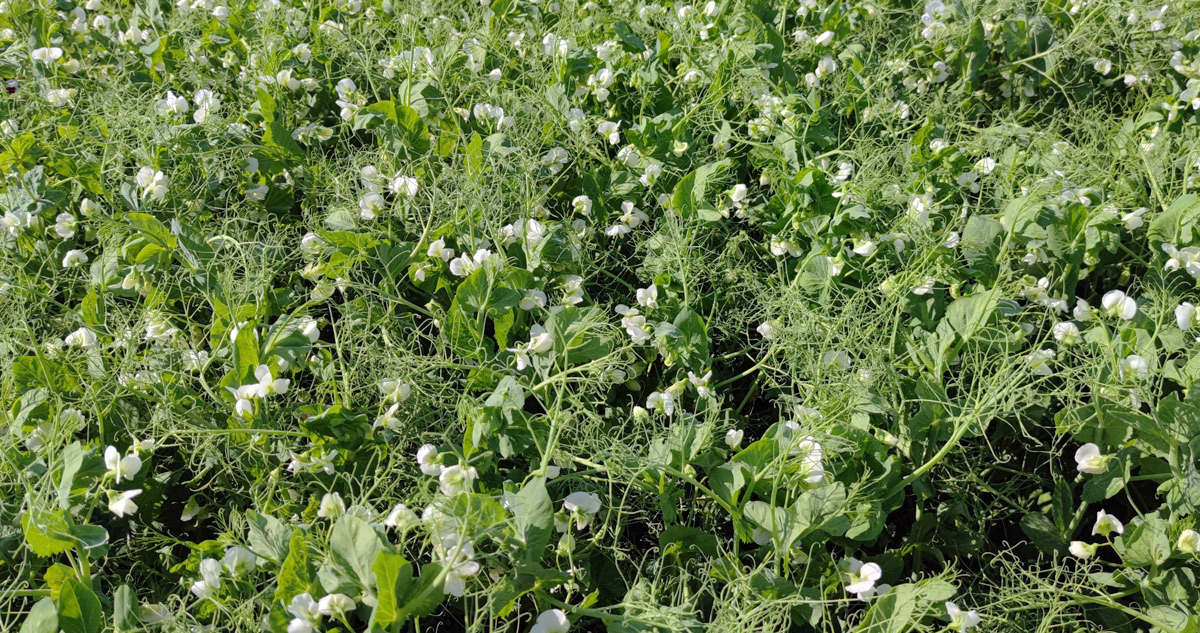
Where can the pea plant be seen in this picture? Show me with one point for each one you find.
(632, 316)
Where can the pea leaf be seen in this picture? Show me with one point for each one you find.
(79, 609)
(42, 618)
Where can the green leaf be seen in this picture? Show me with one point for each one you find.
(47, 532)
(245, 353)
(981, 241)
(79, 609)
(278, 138)
(355, 545)
(268, 536)
(125, 609)
(1145, 543)
(628, 38)
(1176, 225)
(534, 515)
(1042, 532)
(72, 462)
(689, 196)
(295, 576)
(394, 579)
(42, 618)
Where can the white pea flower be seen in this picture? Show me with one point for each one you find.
(152, 182)
(331, 506)
(74, 258)
(172, 105)
(122, 504)
(582, 205)
(335, 604)
(403, 185)
(766, 330)
(46, 55)
(427, 459)
(371, 205)
(401, 517)
(1082, 550)
(257, 193)
(1117, 304)
(1089, 460)
(648, 297)
(1188, 542)
(610, 130)
(437, 249)
(961, 620)
(83, 337)
(267, 384)
(458, 561)
(455, 480)
(583, 506)
(1185, 316)
(862, 577)
(552, 621)
(207, 103)
(119, 467)
(1107, 524)
(733, 438)
(1134, 365)
(1066, 333)
(394, 389)
(64, 225)
(239, 560)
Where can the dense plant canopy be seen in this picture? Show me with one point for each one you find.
(545, 315)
